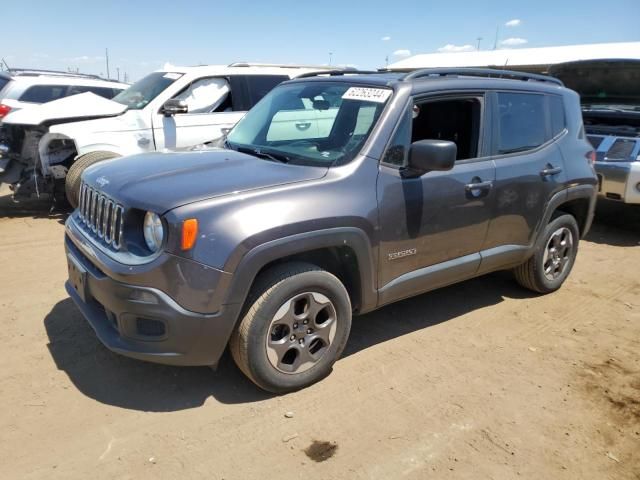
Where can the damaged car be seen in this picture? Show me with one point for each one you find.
(610, 100)
(44, 149)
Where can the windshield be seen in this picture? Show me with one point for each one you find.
(138, 95)
(313, 123)
(600, 83)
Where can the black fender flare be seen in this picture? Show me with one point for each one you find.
(255, 259)
(572, 193)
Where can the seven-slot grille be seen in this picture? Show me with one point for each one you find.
(101, 215)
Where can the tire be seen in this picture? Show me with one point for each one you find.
(73, 179)
(274, 345)
(541, 273)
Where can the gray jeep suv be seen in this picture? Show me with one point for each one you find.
(335, 195)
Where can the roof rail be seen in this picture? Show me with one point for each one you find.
(279, 65)
(480, 72)
(336, 73)
(35, 72)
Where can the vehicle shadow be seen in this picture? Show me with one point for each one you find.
(615, 224)
(115, 380)
(33, 208)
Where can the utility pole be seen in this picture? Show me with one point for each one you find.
(495, 44)
(386, 61)
(479, 40)
(330, 56)
(118, 70)
(106, 56)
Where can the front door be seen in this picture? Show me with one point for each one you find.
(433, 227)
(211, 111)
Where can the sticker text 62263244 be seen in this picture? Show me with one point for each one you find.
(377, 95)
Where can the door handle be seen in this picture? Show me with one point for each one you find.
(550, 170)
(303, 125)
(479, 186)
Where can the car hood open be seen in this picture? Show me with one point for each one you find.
(163, 181)
(602, 82)
(83, 106)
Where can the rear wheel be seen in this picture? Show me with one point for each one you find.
(295, 328)
(555, 254)
(73, 179)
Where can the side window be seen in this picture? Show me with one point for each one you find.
(398, 148)
(43, 93)
(259, 85)
(206, 95)
(556, 110)
(454, 119)
(522, 122)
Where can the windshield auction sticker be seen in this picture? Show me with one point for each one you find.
(378, 95)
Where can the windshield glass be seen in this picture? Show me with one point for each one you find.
(138, 95)
(313, 123)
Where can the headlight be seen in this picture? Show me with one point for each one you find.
(153, 231)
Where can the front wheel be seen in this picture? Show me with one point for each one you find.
(554, 256)
(295, 328)
(73, 179)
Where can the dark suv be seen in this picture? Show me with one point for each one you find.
(334, 196)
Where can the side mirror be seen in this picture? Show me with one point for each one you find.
(428, 155)
(174, 106)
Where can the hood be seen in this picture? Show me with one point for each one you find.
(608, 82)
(163, 181)
(83, 106)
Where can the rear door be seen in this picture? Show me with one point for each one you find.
(529, 166)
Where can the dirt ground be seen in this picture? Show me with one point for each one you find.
(480, 380)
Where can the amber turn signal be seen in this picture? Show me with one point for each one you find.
(189, 233)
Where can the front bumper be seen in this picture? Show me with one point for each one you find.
(144, 322)
(619, 181)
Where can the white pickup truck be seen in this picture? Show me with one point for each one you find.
(45, 148)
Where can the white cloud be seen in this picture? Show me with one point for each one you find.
(385, 39)
(513, 23)
(84, 59)
(403, 52)
(450, 48)
(513, 42)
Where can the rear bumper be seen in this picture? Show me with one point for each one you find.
(145, 323)
(619, 181)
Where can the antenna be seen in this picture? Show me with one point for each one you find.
(106, 56)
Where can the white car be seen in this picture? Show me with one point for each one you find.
(168, 109)
(21, 88)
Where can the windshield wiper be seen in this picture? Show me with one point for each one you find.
(258, 152)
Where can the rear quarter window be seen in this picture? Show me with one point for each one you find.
(556, 112)
(3, 82)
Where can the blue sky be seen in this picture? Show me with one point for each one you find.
(143, 35)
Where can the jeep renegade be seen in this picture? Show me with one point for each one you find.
(335, 195)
